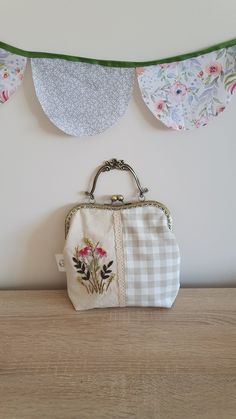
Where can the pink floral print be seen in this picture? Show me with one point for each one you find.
(230, 83)
(214, 69)
(179, 90)
(220, 109)
(187, 94)
(160, 106)
(12, 69)
(4, 96)
(232, 87)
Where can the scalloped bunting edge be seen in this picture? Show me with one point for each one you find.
(85, 96)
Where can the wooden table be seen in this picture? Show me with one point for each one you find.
(118, 363)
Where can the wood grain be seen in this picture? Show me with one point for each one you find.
(118, 363)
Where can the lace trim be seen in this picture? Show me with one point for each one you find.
(119, 257)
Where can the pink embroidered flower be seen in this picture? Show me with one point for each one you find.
(4, 96)
(232, 87)
(220, 109)
(214, 69)
(84, 252)
(93, 273)
(200, 74)
(139, 71)
(159, 106)
(179, 90)
(100, 252)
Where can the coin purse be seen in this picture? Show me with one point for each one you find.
(121, 254)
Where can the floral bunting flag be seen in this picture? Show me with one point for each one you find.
(12, 69)
(188, 94)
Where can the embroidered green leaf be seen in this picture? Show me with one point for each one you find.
(102, 275)
(110, 263)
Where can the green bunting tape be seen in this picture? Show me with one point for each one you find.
(111, 63)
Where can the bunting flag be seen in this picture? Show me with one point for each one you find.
(80, 98)
(189, 93)
(12, 69)
(85, 96)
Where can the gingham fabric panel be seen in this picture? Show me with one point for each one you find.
(151, 258)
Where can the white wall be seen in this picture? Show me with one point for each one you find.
(43, 170)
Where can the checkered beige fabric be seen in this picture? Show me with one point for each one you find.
(151, 258)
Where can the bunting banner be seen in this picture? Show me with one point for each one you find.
(85, 96)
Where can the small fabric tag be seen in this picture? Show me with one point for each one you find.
(60, 262)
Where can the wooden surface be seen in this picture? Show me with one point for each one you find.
(118, 363)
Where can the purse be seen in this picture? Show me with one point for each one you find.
(120, 254)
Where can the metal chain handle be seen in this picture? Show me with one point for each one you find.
(119, 165)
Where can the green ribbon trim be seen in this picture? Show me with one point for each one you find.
(111, 63)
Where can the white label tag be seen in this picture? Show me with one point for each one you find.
(60, 262)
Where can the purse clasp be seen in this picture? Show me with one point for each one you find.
(117, 198)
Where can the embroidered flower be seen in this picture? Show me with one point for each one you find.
(84, 252)
(4, 96)
(214, 69)
(160, 106)
(100, 252)
(139, 71)
(94, 274)
(179, 90)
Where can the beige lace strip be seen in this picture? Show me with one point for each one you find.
(119, 257)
